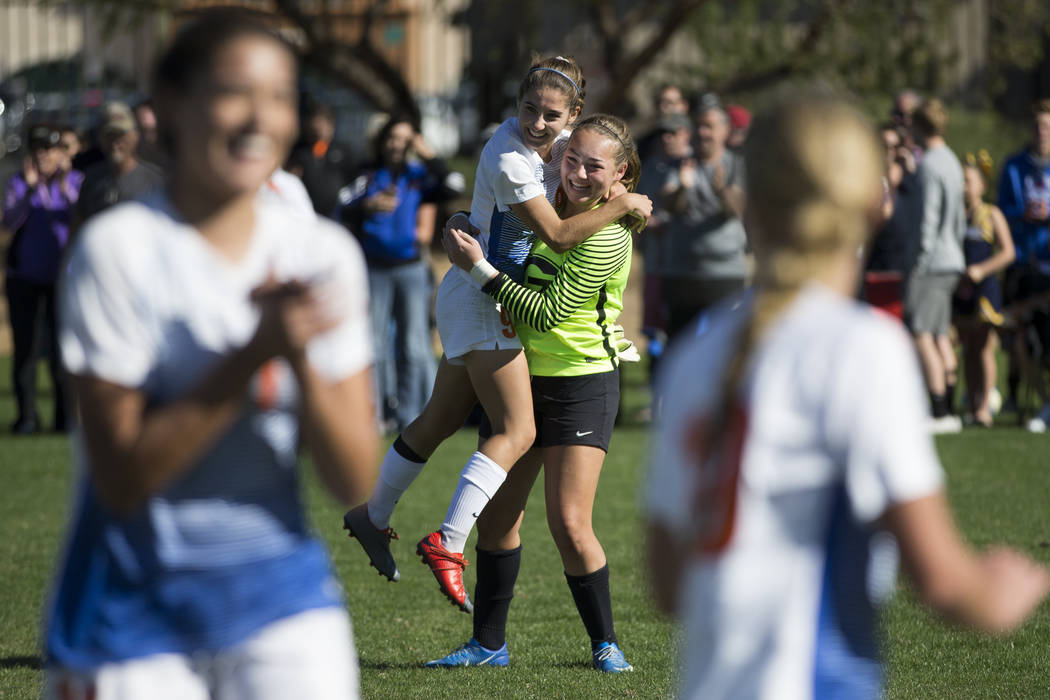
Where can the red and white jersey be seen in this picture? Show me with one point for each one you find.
(787, 564)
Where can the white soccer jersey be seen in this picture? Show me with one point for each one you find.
(509, 172)
(778, 597)
(224, 550)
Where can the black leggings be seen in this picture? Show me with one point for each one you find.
(34, 330)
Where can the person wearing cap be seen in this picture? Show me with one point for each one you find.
(706, 244)
(37, 206)
(121, 176)
(668, 101)
(739, 123)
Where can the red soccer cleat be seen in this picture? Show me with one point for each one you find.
(447, 568)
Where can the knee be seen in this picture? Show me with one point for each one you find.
(519, 432)
(571, 529)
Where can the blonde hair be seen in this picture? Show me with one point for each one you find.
(814, 176)
(562, 73)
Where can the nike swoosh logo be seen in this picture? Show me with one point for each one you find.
(474, 515)
(579, 434)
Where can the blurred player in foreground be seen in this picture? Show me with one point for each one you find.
(793, 449)
(205, 329)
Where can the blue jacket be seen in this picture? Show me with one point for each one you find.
(1021, 181)
(389, 238)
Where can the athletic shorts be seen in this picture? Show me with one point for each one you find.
(468, 319)
(572, 410)
(309, 655)
(928, 302)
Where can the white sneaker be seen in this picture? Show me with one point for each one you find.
(945, 424)
(1039, 423)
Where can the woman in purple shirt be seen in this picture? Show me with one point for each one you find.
(37, 205)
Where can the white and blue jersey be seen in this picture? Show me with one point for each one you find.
(788, 566)
(509, 172)
(224, 550)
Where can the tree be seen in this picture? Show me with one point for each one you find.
(357, 64)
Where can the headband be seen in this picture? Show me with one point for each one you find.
(607, 130)
(555, 70)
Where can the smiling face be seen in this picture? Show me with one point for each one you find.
(542, 115)
(589, 167)
(235, 124)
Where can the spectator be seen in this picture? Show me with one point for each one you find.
(70, 145)
(675, 132)
(37, 205)
(941, 226)
(706, 244)
(669, 100)
(979, 299)
(325, 165)
(391, 207)
(739, 123)
(894, 247)
(904, 106)
(1024, 197)
(150, 149)
(121, 177)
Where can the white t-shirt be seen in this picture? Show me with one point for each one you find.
(509, 172)
(778, 597)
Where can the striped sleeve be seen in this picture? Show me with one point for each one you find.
(585, 270)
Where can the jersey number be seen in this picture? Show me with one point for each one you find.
(508, 324)
(718, 461)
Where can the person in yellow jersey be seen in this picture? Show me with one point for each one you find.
(565, 309)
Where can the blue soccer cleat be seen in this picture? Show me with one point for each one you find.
(473, 654)
(608, 658)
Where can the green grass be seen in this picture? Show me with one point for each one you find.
(998, 480)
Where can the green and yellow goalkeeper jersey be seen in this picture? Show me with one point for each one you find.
(566, 311)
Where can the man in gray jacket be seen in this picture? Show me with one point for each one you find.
(928, 302)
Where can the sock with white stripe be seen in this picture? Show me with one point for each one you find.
(478, 483)
(399, 469)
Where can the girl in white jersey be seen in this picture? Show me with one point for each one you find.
(516, 180)
(205, 329)
(793, 450)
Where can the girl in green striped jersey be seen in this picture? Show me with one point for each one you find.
(565, 312)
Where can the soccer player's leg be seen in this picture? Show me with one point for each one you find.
(498, 562)
(369, 523)
(501, 381)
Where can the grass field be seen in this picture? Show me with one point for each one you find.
(999, 483)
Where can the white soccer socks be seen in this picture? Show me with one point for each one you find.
(399, 469)
(478, 483)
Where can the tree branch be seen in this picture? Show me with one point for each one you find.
(622, 70)
(760, 79)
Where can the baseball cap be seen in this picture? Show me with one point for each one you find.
(674, 122)
(117, 118)
(739, 117)
(43, 136)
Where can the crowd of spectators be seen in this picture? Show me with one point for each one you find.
(388, 198)
(942, 260)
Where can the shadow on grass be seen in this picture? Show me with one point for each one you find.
(31, 662)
